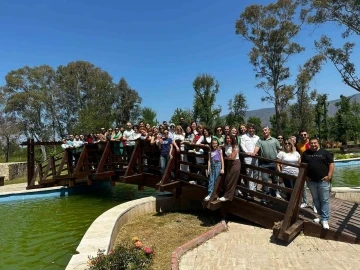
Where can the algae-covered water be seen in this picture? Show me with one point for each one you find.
(347, 173)
(44, 233)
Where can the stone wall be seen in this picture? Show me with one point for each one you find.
(12, 170)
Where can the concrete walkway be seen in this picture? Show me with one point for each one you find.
(249, 247)
(13, 188)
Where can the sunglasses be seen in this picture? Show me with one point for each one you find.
(219, 129)
(287, 143)
(303, 134)
(279, 138)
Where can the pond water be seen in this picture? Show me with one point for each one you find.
(44, 233)
(347, 173)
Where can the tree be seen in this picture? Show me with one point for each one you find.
(256, 121)
(187, 114)
(86, 95)
(148, 115)
(302, 112)
(321, 117)
(345, 13)
(271, 30)
(206, 88)
(127, 103)
(285, 124)
(237, 110)
(10, 131)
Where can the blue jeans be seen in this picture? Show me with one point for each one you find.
(265, 178)
(320, 191)
(163, 162)
(215, 168)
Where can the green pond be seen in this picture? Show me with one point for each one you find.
(347, 173)
(43, 233)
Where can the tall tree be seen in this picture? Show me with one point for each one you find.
(237, 110)
(285, 124)
(345, 13)
(127, 103)
(10, 131)
(302, 111)
(321, 117)
(206, 88)
(28, 93)
(187, 114)
(271, 29)
(148, 115)
(86, 96)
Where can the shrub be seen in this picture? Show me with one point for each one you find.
(127, 256)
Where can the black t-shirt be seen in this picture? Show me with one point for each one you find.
(318, 163)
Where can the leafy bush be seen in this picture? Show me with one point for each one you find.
(127, 256)
(346, 156)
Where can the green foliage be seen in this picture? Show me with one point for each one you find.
(187, 114)
(286, 130)
(321, 117)
(124, 257)
(206, 89)
(271, 30)
(148, 115)
(345, 13)
(237, 110)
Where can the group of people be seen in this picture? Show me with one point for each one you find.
(225, 144)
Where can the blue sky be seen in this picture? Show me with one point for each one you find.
(158, 46)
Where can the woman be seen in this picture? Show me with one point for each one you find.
(233, 167)
(116, 138)
(179, 138)
(219, 135)
(215, 166)
(288, 155)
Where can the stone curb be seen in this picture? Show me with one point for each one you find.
(178, 252)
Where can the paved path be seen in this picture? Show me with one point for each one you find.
(249, 247)
(13, 188)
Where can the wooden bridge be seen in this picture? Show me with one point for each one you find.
(108, 162)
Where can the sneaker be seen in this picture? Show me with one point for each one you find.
(223, 199)
(192, 182)
(278, 195)
(238, 192)
(303, 205)
(207, 198)
(317, 220)
(314, 209)
(249, 197)
(325, 224)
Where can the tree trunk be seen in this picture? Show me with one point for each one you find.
(7, 154)
(278, 119)
(43, 152)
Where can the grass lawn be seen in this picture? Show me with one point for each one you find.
(165, 232)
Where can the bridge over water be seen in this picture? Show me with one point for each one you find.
(104, 162)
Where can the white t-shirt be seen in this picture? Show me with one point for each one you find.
(293, 158)
(179, 137)
(129, 135)
(201, 139)
(228, 151)
(248, 145)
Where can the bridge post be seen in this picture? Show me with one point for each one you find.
(31, 160)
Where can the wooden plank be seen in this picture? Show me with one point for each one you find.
(293, 231)
(214, 205)
(268, 184)
(272, 172)
(268, 160)
(62, 163)
(103, 159)
(262, 196)
(195, 176)
(133, 159)
(136, 179)
(170, 186)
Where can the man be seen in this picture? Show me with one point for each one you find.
(319, 173)
(165, 146)
(301, 147)
(165, 125)
(268, 147)
(183, 124)
(248, 143)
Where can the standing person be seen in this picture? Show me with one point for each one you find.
(182, 123)
(232, 169)
(288, 155)
(129, 138)
(268, 147)
(319, 173)
(248, 143)
(215, 166)
(165, 146)
(301, 147)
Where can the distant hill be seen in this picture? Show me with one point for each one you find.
(266, 113)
